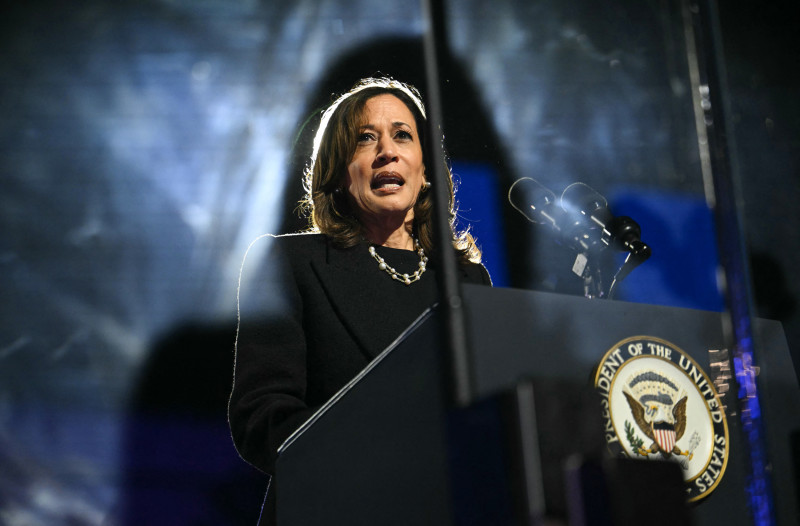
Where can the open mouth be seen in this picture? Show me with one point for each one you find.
(387, 181)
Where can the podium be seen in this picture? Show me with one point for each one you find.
(388, 449)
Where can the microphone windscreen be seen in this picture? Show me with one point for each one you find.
(532, 199)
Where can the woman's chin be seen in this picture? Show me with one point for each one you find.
(386, 210)
(391, 202)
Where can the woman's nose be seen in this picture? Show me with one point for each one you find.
(386, 150)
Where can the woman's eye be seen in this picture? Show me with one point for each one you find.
(364, 137)
(402, 134)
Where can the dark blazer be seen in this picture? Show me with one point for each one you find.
(311, 317)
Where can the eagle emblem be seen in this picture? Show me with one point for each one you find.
(658, 407)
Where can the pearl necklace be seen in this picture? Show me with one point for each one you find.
(408, 279)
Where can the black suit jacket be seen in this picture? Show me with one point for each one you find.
(311, 317)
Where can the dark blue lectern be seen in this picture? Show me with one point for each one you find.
(388, 450)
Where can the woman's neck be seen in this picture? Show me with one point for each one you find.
(390, 237)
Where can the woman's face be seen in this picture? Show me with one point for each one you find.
(386, 173)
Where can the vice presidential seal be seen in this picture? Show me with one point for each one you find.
(659, 404)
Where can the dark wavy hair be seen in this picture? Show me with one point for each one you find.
(325, 202)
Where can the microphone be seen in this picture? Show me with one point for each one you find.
(539, 205)
(621, 232)
(583, 222)
(534, 201)
(582, 214)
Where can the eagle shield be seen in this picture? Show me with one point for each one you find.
(652, 396)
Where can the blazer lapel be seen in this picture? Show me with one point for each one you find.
(350, 284)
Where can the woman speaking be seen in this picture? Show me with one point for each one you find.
(316, 307)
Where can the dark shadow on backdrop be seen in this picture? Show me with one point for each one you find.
(180, 466)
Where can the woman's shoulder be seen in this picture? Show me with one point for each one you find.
(476, 273)
(283, 249)
(272, 258)
(291, 243)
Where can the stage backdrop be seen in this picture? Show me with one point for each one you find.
(146, 143)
